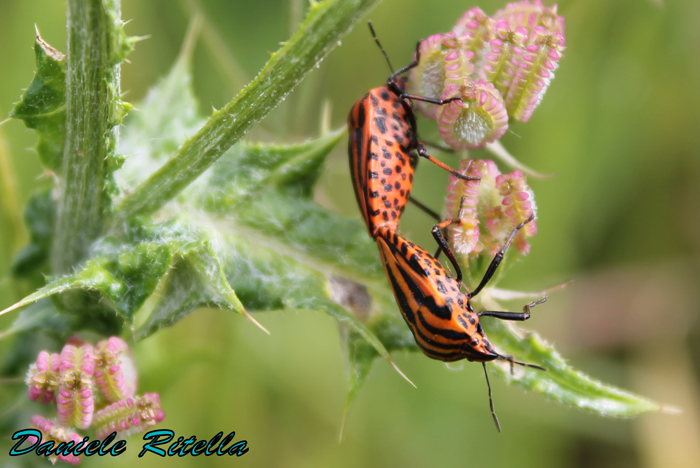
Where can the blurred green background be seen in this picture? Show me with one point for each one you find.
(620, 127)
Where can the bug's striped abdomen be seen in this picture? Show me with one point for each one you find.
(381, 164)
(434, 308)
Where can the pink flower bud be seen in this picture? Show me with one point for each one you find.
(518, 205)
(466, 200)
(479, 118)
(521, 60)
(42, 377)
(115, 373)
(75, 402)
(530, 15)
(490, 209)
(51, 432)
(503, 54)
(475, 28)
(443, 59)
(531, 79)
(129, 416)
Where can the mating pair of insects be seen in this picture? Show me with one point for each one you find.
(384, 149)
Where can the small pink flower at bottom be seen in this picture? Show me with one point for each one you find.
(75, 401)
(42, 377)
(51, 432)
(129, 416)
(479, 118)
(115, 372)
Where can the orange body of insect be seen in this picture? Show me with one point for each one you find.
(382, 164)
(383, 149)
(439, 315)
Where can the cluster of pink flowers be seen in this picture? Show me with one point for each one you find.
(488, 209)
(73, 379)
(499, 66)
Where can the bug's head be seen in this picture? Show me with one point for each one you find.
(402, 83)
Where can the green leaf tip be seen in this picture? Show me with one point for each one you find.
(198, 280)
(41, 316)
(560, 382)
(43, 105)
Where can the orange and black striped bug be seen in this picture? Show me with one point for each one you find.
(440, 316)
(384, 148)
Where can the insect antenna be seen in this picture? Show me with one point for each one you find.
(376, 39)
(493, 412)
(524, 364)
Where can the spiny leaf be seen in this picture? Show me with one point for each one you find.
(249, 168)
(253, 190)
(387, 325)
(162, 121)
(252, 194)
(42, 315)
(198, 280)
(265, 279)
(43, 105)
(294, 229)
(360, 356)
(39, 217)
(125, 270)
(325, 24)
(560, 382)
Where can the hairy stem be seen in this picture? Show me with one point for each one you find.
(92, 83)
(325, 24)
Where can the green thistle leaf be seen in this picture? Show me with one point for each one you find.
(161, 123)
(561, 382)
(43, 105)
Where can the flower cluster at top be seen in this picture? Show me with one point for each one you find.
(73, 379)
(499, 66)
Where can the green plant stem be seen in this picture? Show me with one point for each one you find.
(92, 81)
(325, 24)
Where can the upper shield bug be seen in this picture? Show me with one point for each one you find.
(384, 147)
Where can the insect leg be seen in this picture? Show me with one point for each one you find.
(518, 316)
(439, 102)
(443, 245)
(411, 65)
(425, 209)
(438, 233)
(498, 258)
(422, 152)
(433, 215)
